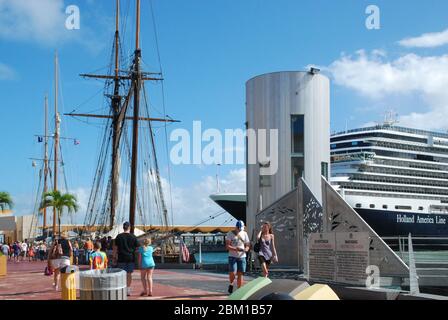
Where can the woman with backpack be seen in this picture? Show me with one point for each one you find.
(265, 248)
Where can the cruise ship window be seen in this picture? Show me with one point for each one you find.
(372, 206)
(384, 206)
(297, 134)
(358, 205)
(420, 208)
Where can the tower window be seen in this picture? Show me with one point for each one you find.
(297, 134)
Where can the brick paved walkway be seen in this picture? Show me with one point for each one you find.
(26, 281)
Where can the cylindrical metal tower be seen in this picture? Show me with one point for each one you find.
(297, 104)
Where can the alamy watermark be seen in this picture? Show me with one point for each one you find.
(73, 20)
(373, 21)
(213, 146)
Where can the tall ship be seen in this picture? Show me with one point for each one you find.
(396, 178)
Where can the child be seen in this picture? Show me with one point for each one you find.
(76, 253)
(147, 265)
(31, 253)
(98, 259)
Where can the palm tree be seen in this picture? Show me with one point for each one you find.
(59, 201)
(5, 201)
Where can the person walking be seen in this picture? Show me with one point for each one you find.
(76, 253)
(88, 248)
(267, 252)
(59, 257)
(147, 265)
(43, 251)
(98, 259)
(16, 249)
(125, 245)
(24, 249)
(237, 243)
(31, 253)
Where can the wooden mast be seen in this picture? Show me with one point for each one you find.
(116, 124)
(44, 225)
(136, 76)
(56, 138)
(137, 86)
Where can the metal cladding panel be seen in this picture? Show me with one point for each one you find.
(339, 216)
(271, 99)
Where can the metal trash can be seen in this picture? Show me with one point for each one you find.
(68, 282)
(109, 284)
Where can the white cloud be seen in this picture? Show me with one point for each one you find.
(37, 20)
(374, 76)
(192, 204)
(43, 22)
(7, 73)
(427, 40)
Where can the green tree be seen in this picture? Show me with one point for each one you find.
(5, 201)
(59, 201)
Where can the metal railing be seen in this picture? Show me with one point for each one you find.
(427, 250)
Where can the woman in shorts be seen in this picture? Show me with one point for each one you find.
(59, 258)
(147, 266)
(267, 253)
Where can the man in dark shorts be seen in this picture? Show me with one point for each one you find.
(125, 245)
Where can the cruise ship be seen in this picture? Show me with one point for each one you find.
(396, 178)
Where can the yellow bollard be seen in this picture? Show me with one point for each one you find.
(317, 292)
(3, 265)
(68, 286)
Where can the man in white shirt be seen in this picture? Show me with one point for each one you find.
(237, 243)
(24, 246)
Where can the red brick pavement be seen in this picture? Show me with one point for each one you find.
(26, 281)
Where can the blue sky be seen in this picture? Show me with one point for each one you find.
(209, 49)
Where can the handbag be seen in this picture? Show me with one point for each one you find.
(48, 271)
(257, 246)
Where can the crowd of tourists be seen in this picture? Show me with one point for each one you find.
(125, 252)
(102, 253)
(24, 251)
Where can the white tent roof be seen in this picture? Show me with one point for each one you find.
(119, 229)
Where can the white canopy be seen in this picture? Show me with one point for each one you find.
(119, 229)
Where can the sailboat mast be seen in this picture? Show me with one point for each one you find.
(137, 86)
(116, 102)
(44, 225)
(56, 137)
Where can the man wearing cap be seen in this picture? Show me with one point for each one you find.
(237, 243)
(125, 245)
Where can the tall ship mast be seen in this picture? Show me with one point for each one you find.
(122, 140)
(48, 175)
